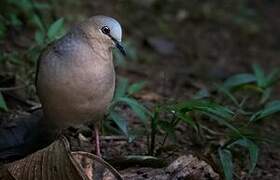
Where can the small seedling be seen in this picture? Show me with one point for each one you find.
(123, 96)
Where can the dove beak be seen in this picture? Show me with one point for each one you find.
(119, 46)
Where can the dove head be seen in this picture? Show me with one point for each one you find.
(109, 29)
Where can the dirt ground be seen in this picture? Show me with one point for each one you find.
(182, 47)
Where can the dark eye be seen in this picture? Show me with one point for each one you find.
(105, 30)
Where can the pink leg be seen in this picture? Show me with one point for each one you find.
(97, 140)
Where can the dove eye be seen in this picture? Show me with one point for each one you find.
(105, 30)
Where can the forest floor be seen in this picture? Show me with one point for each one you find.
(182, 49)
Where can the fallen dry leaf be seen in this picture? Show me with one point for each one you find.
(56, 162)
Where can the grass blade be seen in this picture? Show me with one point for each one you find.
(260, 76)
(3, 104)
(119, 121)
(226, 160)
(270, 109)
(55, 29)
(253, 151)
(136, 87)
(136, 107)
(239, 80)
(121, 88)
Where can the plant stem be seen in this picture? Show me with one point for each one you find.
(174, 123)
(153, 132)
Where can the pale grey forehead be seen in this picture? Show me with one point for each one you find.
(113, 24)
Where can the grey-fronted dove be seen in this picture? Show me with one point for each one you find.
(76, 78)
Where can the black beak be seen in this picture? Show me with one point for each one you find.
(119, 46)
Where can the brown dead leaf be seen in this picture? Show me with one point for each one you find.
(57, 162)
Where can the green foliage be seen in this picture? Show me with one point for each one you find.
(34, 18)
(226, 160)
(252, 148)
(55, 29)
(258, 81)
(239, 127)
(123, 96)
(3, 105)
(270, 109)
(239, 80)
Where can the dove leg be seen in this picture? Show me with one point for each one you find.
(97, 140)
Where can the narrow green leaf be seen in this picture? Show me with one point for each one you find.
(265, 95)
(215, 111)
(55, 29)
(270, 109)
(14, 20)
(206, 106)
(223, 122)
(136, 87)
(228, 94)
(39, 38)
(38, 22)
(184, 117)
(120, 122)
(227, 165)
(136, 107)
(239, 80)
(3, 104)
(260, 76)
(121, 87)
(253, 151)
(273, 77)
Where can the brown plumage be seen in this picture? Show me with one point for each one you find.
(76, 77)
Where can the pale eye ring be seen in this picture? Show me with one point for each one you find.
(105, 30)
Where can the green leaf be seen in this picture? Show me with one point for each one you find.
(186, 118)
(40, 38)
(239, 80)
(55, 29)
(120, 122)
(265, 95)
(38, 22)
(136, 87)
(121, 88)
(206, 106)
(253, 151)
(270, 109)
(260, 76)
(228, 94)
(223, 122)
(3, 104)
(226, 160)
(273, 77)
(136, 107)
